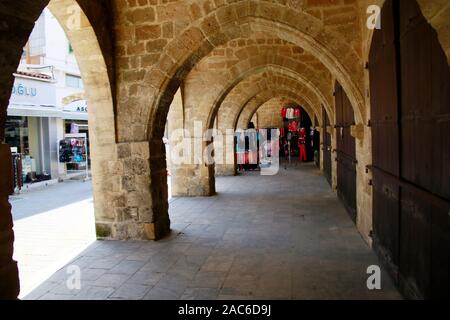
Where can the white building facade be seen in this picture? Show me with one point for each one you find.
(47, 103)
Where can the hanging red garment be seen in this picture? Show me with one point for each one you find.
(302, 144)
(293, 126)
(290, 113)
(281, 132)
(297, 113)
(283, 112)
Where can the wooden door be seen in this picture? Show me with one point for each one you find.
(385, 141)
(410, 116)
(326, 146)
(345, 151)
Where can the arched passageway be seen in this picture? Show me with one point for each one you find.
(96, 73)
(226, 59)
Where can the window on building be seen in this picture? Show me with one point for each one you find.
(74, 81)
(16, 134)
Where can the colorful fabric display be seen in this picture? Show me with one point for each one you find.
(291, 113)
(293, 126)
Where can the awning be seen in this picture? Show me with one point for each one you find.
(33, 111)
(44, 112)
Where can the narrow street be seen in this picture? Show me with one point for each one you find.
(51, 226)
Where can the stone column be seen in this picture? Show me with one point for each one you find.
(156, 218)
(225, 156)
(364, 197)
(16, 24)
(322, 145)
(332, 130)
(136, 194)
(9, 274)
(192, 176)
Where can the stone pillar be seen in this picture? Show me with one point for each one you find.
(9, 274)
(322, 146)
(136, 194)
(156, 219)
(192, 176)
(16, 24)
(225, 156)
(332, 130)
(364, 199)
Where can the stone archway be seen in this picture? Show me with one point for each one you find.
(194, 179)
(251, 107)
(232, 103)
(154, 62)
(241, 103)
(98, 92)
(96, 75)
(258, 24)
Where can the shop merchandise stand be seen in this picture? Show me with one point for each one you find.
(288, 159)
(81, 136)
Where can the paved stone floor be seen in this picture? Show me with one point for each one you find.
(52, 226)
(261, 237)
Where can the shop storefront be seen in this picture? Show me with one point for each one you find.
(299, 138)
(297, 141)
(74, 148)
(35, 126)
(30, 126)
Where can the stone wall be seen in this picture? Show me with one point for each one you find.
(15, 27)
(269, 114)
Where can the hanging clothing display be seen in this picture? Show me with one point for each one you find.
(293, 126)
(72, 151)
(290, 113)
(302, 144)
(294, 139)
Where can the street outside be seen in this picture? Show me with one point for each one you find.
(51, 225)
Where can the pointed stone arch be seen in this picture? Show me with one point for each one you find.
(16, 29)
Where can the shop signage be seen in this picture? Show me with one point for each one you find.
(31, 92)
(23, 90)
(79, 106)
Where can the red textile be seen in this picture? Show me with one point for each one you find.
(302, 152)
(283, 112)
(293, 126)
(302, 144)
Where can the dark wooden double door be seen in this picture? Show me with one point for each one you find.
(327, 149)
(345, 151)
(410, 118)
